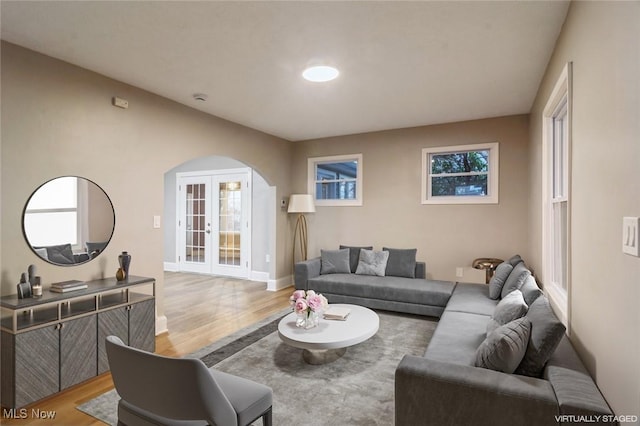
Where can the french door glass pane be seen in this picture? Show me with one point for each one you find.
(229, 223)
(195, 223)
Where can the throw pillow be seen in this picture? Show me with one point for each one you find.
(514, 260)
(508, 309)
(354, 255)
(516, 279)
(499, 277)
(372, 262)
(546, 333)
(530, 290)
(61, 254)
(503, 349)
(401, 263)
(334, 262)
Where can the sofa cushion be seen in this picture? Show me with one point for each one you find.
(334, 262)
(499, 277)
(503, 349)
(401, 263)
(457, 338)
(408, 290)
(530, 290)
(508, 309)
(546, 333)
(516, 278)
(372, 262)
(354, 256)
(472, 298)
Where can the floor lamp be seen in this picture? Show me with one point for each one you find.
(301, 204)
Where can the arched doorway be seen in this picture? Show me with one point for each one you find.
(210, 229)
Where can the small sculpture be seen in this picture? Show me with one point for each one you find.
(31, 271)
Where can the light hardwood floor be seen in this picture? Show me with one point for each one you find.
(200, 309)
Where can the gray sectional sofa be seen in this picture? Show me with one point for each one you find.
(445, 386)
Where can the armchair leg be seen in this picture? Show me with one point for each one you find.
(266, 418)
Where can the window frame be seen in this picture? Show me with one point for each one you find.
(493, 184)
(312, 163)
(558, 104)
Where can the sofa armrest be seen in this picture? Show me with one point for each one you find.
(421, 270)
(304, 271)
(435, 392)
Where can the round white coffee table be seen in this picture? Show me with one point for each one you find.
(330, 339)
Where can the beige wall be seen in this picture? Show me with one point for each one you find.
(447, 236)
(57, 119)
(602, 39)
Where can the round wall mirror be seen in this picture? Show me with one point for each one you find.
(68, 221)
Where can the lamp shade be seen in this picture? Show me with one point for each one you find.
(301, 203)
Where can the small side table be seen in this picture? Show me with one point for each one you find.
(489, 264)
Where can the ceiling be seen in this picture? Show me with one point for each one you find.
(402, 64)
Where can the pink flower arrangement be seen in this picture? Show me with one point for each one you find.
(307, 302)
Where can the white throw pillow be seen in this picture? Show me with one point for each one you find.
(372, 262)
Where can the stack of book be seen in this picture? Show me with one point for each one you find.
(66, 286)
(337, 313)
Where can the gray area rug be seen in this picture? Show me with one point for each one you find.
(357, 389)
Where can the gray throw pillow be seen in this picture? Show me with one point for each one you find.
(372, 262)
(503, 349)
(514, 260)
(508, 309)
(401, 263)
(354, 255)
(530, 290)
(61, 254)
(546, 333)
(334, 262)
(516, 279)
(497, 281)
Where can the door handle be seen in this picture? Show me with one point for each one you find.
(208, 231)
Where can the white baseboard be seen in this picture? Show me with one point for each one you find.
(161, 325)
(259, 276)
(280, 283)
(171, 267)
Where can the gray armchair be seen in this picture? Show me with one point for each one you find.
(157, 390)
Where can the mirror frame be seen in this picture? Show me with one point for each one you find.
(107, 240)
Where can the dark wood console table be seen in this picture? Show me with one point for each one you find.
(52, 342)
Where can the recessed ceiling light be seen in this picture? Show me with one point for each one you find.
(200, 97)
(319, 74)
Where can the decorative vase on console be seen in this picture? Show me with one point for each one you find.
(125, 260)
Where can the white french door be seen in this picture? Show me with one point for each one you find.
(214, 223)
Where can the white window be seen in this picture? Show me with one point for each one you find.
(336, 180)
(466, 174)
(52, 216)
(556, 184)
